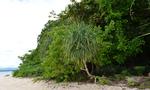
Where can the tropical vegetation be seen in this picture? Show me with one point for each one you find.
(90, 40)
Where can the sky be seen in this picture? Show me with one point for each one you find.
(21, 21)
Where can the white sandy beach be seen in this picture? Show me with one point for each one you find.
(10, 83)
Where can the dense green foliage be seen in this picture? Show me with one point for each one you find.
(92, 38)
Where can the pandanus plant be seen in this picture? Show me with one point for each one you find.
(81, 46)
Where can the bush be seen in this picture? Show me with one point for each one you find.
(139, 70)
(132, 82)
(125, 73)
(103, 80)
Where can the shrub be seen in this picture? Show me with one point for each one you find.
(103, 80)
(132, 82)
(139, 70)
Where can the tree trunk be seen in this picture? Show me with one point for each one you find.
(87, 71)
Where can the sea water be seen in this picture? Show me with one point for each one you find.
(4, 73)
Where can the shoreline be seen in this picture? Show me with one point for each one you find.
(11, 83)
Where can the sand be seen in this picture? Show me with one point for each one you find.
(11, 83)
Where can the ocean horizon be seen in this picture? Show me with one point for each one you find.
(7, 71)
(4, 73)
